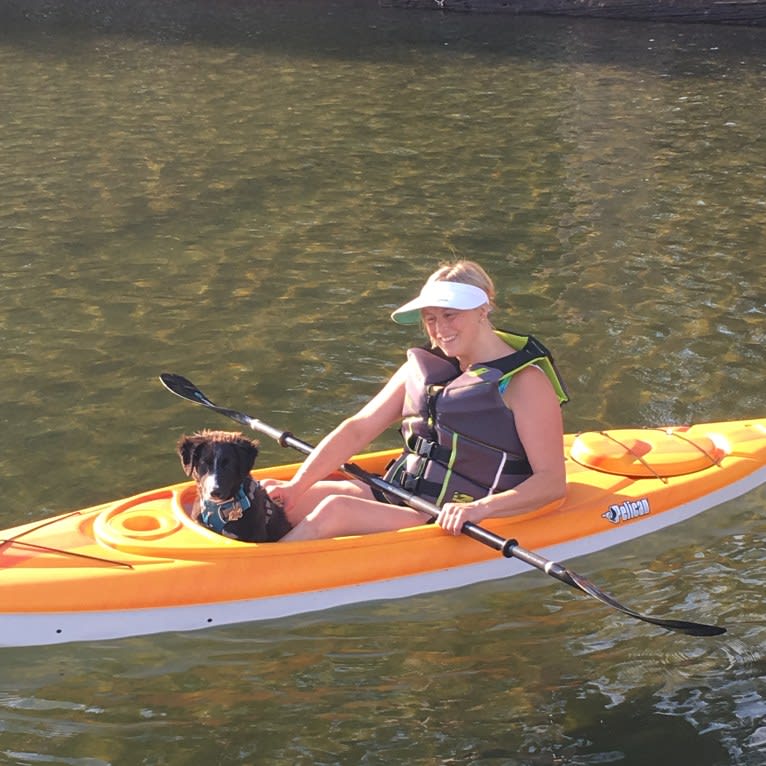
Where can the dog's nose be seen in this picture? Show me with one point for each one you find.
(211, 488)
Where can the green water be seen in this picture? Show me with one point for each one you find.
(241, 193)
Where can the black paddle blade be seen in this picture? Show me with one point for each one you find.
(574, 580)
(183, 387)
(682, 626)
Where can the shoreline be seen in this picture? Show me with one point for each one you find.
(742, 12)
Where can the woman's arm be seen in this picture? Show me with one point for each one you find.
(537, 413)
(348, 438)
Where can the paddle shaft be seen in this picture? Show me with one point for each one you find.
(510, 548)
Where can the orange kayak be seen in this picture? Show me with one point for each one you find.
(140, 565)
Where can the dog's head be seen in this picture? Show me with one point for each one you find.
(219, 461)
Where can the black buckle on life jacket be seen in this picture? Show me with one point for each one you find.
(411, 483)
(434, 451)
(427, 449)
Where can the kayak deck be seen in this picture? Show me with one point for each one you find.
(142, 565)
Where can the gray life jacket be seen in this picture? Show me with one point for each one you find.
(460, 437)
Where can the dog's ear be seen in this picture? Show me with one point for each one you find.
(187, 448)
(248, 449)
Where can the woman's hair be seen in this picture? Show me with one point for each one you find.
(467, 273)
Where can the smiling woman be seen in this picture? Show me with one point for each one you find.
(482, 427)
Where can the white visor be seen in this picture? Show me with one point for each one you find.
(441, 295)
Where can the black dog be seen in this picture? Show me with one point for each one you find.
(229, 501)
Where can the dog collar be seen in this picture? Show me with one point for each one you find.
(218, 515)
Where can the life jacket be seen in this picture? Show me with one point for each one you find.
(460, 437)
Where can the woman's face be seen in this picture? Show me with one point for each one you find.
(452, 330)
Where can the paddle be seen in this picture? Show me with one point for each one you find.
(184, 388)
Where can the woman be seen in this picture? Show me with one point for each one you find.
(481, 422)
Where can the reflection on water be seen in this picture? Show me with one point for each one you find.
(241, 193)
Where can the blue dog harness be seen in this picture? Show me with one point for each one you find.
(217, 515)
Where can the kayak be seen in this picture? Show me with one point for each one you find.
(140, 565)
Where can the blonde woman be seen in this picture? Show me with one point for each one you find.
(480, 416)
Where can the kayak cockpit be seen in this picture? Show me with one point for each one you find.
(158, 524)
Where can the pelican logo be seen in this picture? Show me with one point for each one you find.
(630, 509)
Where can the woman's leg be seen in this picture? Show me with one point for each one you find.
(352, 514)
(321, 490)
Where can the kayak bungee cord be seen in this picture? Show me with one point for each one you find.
(509, 548)
(7, 542)
(61, 552)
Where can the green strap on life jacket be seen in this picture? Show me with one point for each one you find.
(529, 351)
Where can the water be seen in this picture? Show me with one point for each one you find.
(241, 192)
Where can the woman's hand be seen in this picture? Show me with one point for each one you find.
(283, 493)
(453, 515)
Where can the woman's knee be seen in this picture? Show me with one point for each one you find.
(332, 515)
